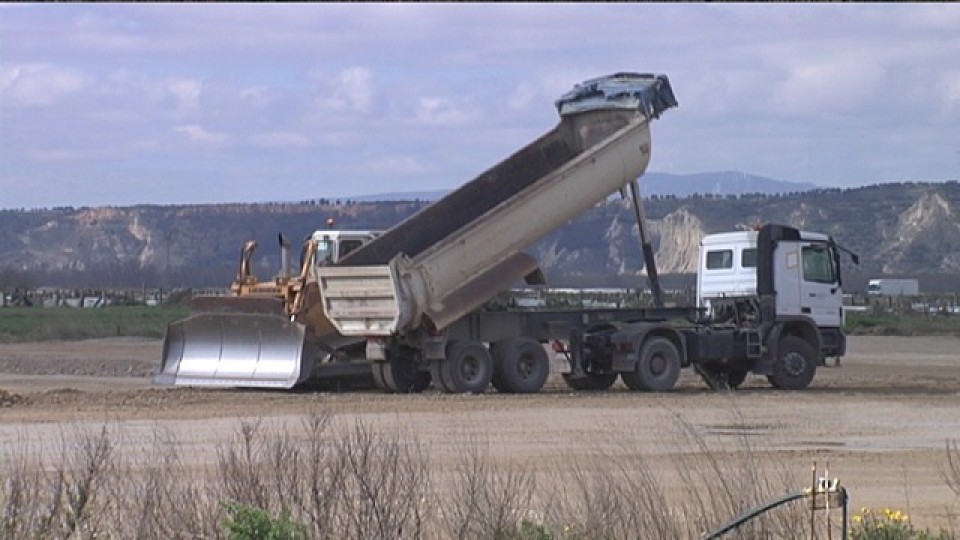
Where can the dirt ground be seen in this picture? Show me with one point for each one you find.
(881, 421)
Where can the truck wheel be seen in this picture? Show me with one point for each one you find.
(736, 376)
(592, 382)
(401, 375)
(794, 366)
(437, 376)
(376, 369)
(468, 367)
(658, 367)
(520, 365)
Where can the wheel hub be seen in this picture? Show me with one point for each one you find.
(470, 368)
(658, 364)
(794, 364)
(525, 366)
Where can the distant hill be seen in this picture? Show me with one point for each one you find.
(401, 196)
(716, 183)
(898, 229)
(680, 185)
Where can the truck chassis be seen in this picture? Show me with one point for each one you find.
(645, 347)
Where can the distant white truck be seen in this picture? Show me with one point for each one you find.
(893, 287)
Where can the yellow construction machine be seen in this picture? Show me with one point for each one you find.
(264, 333)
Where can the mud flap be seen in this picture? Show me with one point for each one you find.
(246, 350)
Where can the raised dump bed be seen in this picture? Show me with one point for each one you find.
(447, 260)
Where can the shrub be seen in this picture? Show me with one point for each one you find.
(890, 524)
(252, 523)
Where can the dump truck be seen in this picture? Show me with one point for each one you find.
(277, 333)
(414, 293)
(769, 303)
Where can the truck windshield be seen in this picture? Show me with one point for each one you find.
(346, 246)
(818, 265)
(324, 251)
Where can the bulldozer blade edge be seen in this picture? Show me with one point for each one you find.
(245, 350)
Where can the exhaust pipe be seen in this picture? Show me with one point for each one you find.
(284, 256)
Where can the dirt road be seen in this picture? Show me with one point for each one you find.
(881, 420)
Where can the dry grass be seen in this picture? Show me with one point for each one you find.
(484, 501)
(355, 482)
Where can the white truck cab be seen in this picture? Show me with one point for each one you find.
(727, 266)
(806, 278)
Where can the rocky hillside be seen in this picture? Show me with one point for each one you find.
(896, 228)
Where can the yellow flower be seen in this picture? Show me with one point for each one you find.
(857, 518)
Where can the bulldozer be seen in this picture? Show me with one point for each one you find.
(268, 334)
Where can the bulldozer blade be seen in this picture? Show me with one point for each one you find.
(234, 349)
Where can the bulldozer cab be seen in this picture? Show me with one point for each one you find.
(334, 245)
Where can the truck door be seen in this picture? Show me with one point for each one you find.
(819, 287)
(787, 278)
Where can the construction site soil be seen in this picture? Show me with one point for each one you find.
(881, 421)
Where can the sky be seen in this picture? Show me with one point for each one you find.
(123, 104)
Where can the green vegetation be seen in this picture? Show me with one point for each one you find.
(903, 324)
(66, 323)
(19, 324)
(889, 524)
(251, 523)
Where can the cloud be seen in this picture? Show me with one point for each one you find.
(936, 16)
(107, 31)
(281, 140)
(197, 134)
(379, 91)
(60, 154)
(38, 85)
(544, 88)
(950, 90)
(440, 111)
(841, 82)
(524, 94)
(185, 92)
(258, 96)
(351, 89)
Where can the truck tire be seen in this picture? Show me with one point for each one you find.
(467, 367)
(401, 375)
(520, 365)
(437, 376)
(376, 369)
(736, 376)
(593, 382)
(658, 367)
(795, 365)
